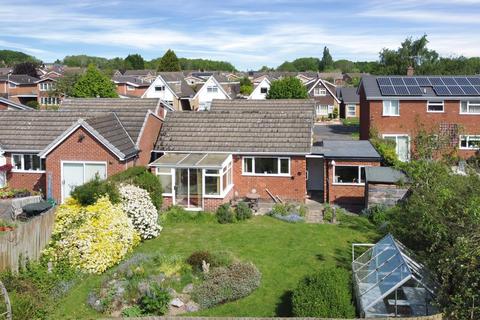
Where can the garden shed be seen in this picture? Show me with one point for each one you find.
(384, 186)
(388, 282)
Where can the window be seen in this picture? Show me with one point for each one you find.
(391, 108)
(469, 107)
(349, 174)
(470, 142)
(130, 88)
(351, 110)
(160, 88)
(46, 86)
(435, 106)
(166, 177)
(263, 90)
(27, 162)
(217, 182)
(266, 166)
(212, 89)
(321, 110)
(319, 92)
(49, 100)
(402, 147)
(12, 85)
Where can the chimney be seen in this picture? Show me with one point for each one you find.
(410, 71)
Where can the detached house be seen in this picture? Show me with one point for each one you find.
(130, 86)
(396, 107)
(349, 102)
(172, 88)
(262, 146)
(260, 91)
(20, 88)
(324, 94)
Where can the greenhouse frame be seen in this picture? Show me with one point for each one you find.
(388, 282)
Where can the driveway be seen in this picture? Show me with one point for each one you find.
(334, 132)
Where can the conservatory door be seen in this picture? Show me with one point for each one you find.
(188, 188)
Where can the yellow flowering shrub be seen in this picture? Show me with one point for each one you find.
(92, 238)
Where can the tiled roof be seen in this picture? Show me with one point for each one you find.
(238, 131)
(263, 105)
(19, 78)
(348, 95)
(142, 72)
(131, 79)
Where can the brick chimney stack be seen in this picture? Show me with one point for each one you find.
(410, 71)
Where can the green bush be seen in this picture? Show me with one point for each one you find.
(131, 312)
(225, 214)
(217, 259)
(377, 215)
(177, 214)
(142, 178)
(243, 212)
(156, 301)
(225, 284)
(326, 294)
(88, 193)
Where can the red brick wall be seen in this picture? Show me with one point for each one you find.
(25, 180)
(351, 194)
(364, 116)
(148, 139)
(122, 90)
(75, 149)
(413, 114)
(287, 188)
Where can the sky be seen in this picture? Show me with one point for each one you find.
(247, 33)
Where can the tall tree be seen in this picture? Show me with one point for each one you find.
(10, 58)
(246, 86)
(327, 61)
(29, 68)
(134, 61)
(64, 86)
(169, 62)
(287, 66)
(93, 83)
(287, 88)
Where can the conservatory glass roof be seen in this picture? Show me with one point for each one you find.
(386, 267)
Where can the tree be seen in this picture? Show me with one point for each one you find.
(287, 88)
(134, 61)
(327, 61)
(84, 60)
(246, 86)
(287, 67)
(94, 83)
(29, 68)
(266, 69)
(64, 86)
(169, 62)
(10, 58)
(306, 64)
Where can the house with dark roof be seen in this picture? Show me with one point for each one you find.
(130, 86)
(261, 147)
(20, 88)
(324, 94)
(397, 107)
(172, 88)
(349, 102)
(54, 151)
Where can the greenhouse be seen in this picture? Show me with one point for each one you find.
(388, 281)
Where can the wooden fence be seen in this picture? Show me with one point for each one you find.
(26, 241)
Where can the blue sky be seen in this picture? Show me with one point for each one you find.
(248, 33)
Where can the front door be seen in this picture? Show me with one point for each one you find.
(315, 179)
(188, 188)
(77, 173)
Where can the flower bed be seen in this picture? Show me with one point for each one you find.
(7, 193)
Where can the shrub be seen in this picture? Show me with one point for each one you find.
(217, 259)
(377, 215)
(243, 212)
(143, 178)
(133, 311)
(137, 205)
(326, 294)
(156, 301)
(225, 284)
(171, 265)
(285, 209)
(225, 214)
(177, 214)
(88, 193)
(91, 238)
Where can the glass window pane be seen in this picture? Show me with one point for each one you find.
(266, 165)
(464, 106)
(17, 161)
(212, 185)
(36, 162)
(212, 171)
(27, 162)
(362, 174)
(166, 181)
(164, 170)
(247, 165)
(284, 166)
(346, 174)
(224, 181)
(474, 108)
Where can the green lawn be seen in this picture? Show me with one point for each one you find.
(283, 252)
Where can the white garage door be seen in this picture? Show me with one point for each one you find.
(77, 173)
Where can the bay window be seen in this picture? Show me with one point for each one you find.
(349, 174)
(391, 108)
(469, 107)
(266, 166)
(27, 162)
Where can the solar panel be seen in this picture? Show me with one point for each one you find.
(387, 90)
(441, 90)
(423, 82)
(401, 90)
(449, 81)
(456, 90)
(436, 81)
(384, 81)
(409, 81)
(478, 89)
(462, 81)
(397, 81)
(469, 90)
(474, 80)
(415, 91)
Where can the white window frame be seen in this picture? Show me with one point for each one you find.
(468, 108)
(347, 111)
(22, 163)
(212, 89)
(253, 174)
(12, 85)
(467, 139)
(387, 109)
(172, 175)
(319, 108)
(435, 103)
(45, 86)
(49, 101)
(161, 88)
(389, 135)
(361, 183)
(221, 173)
(319, 92)
(130, 88)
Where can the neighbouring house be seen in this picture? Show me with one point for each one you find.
(45, 96)
(144, 74)
(304, 77)
(6, 104)
(384, 186)
(20, 88)
(263, 146)
(172, 88)
(260, 91)
(349, 102)
(324, 94)
(130, 86)
(335, 78)
(54, 151)
(397, 107)
(210, 90)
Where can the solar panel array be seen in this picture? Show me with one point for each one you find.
(442, 86)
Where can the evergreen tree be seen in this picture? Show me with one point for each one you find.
(327, 61)
(135, 62)
(169, 62)
(94, 83)
(287, 88)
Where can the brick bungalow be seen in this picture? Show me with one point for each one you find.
(262, 146)
(131, 86)
(396, 106)
(54, 151)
